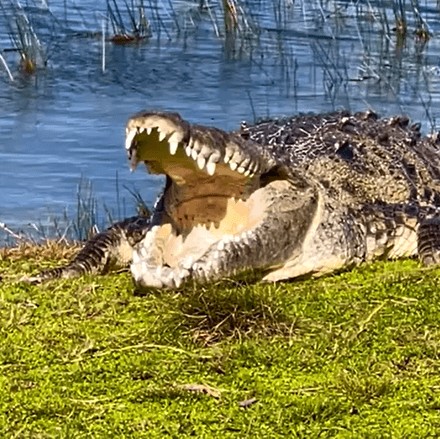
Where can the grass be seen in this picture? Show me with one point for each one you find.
(353, 355)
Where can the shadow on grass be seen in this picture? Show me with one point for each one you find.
(228, 310)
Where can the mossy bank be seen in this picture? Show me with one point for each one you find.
(351, 355)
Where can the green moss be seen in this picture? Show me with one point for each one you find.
(352, 355)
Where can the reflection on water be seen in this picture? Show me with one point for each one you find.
(67, 120)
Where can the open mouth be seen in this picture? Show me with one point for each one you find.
(214, 183)
(158, 137)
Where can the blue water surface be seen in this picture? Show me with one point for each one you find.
(65, 122)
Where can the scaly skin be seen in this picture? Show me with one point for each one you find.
(109, 250)
(283, 198)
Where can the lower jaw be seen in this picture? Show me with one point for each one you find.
(176, 248)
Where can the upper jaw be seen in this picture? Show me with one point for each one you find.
(159, 127)
(157, 136)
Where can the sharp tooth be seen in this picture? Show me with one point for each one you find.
(210, 168)
(174, 141)
(233, 165)
(247, 172)
(228, 156)
(201, 161)
(194, 154)
(129, 139)
(173, 146)
(255, 168)
(149, 129)
(162, 135)
(188, 151)
(237, 157)
(141, 129)
(241, 170)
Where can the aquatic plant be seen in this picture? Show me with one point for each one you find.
(23, 36)
(5, 66)
(237, 22)
(134, 28)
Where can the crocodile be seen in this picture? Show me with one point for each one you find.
(281, 199)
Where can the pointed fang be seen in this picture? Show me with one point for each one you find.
(233, 165)
(173, 146)
(162, 136)
(210, 168)
(129, 139)
(201, 161)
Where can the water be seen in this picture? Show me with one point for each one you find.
(66, 121)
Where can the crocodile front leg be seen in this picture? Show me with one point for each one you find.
(291, 213)
(111, 249)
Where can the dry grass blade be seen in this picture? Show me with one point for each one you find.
(59, 250)
(364, 323)
(230, 16)
(11, 233)
(247, 402)
(201, 388)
